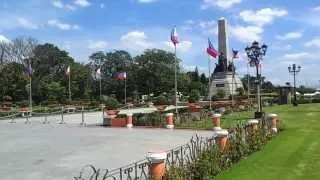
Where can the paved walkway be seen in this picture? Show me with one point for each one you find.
(57, 151)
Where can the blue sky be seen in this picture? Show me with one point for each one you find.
(290, 28)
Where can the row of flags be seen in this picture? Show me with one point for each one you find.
(214, 53)
(118, 76)
(174, 39)
(97, 75)
(210, 50)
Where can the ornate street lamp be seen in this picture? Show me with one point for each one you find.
(293, 70)
(255, 55)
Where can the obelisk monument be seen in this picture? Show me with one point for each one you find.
(222, 36)
(224, 77)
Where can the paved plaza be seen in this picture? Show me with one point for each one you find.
(39, 151)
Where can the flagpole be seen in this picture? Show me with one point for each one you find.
(125, 91)
(232, 94)
(100, 89)
(30, 93)
(175, 78)
(69, 87)
(248, 83)
(209, 89)
(100, 77)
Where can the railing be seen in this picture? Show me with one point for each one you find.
(179, 156)
(189, 152)
(63, 112)
(138, 170)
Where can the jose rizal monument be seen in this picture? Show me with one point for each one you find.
(224, 76)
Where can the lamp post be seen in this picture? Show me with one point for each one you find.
(293, 70)
(255, 55)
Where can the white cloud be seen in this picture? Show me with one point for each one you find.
(135, 40)
(316, 8)
(207, 27)
(299, 56)
(288, 47)
(23, 22)
(57, 4)
(138, 41)
(201, 69)
(312, 19)
(315, 42)
(246, 33)
(4, 39)
(183, 46)
(207, 24)
(62, 26)
(146, 1)
(70, 7)
(83, 3)
(223, 4)
(97, 45)
(262, 16)
(102, 6)
(189, 21)
(290, 35)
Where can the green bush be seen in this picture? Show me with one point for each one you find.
(162, 100)
(211, 161)
(194, 96)
(304, 101)
(315, 101)
(110, 102)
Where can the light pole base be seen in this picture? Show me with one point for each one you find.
(295, 104)
(258, 115)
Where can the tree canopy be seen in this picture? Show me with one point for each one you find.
(149, 73)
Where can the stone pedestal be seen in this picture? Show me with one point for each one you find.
(169, 117)
(129, 121)
(253, 123)
(221, 138)
(273, 119)
(157, 167)
(216, 119)
(223, 81)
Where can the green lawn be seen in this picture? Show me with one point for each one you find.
(293, 154)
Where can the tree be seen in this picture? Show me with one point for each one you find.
(4, 47)
(156, 67)
(21, 50)
(221, 94)
(13, 83)
(203, 79)
(55, 91)
(49, 64)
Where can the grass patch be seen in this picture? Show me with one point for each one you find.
(294, 154)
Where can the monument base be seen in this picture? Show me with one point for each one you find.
(226, 82)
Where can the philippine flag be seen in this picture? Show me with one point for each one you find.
(98, 73)
(174, 36)
(29, 71)
(122, 76)
(211, 50)
(68, 71)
